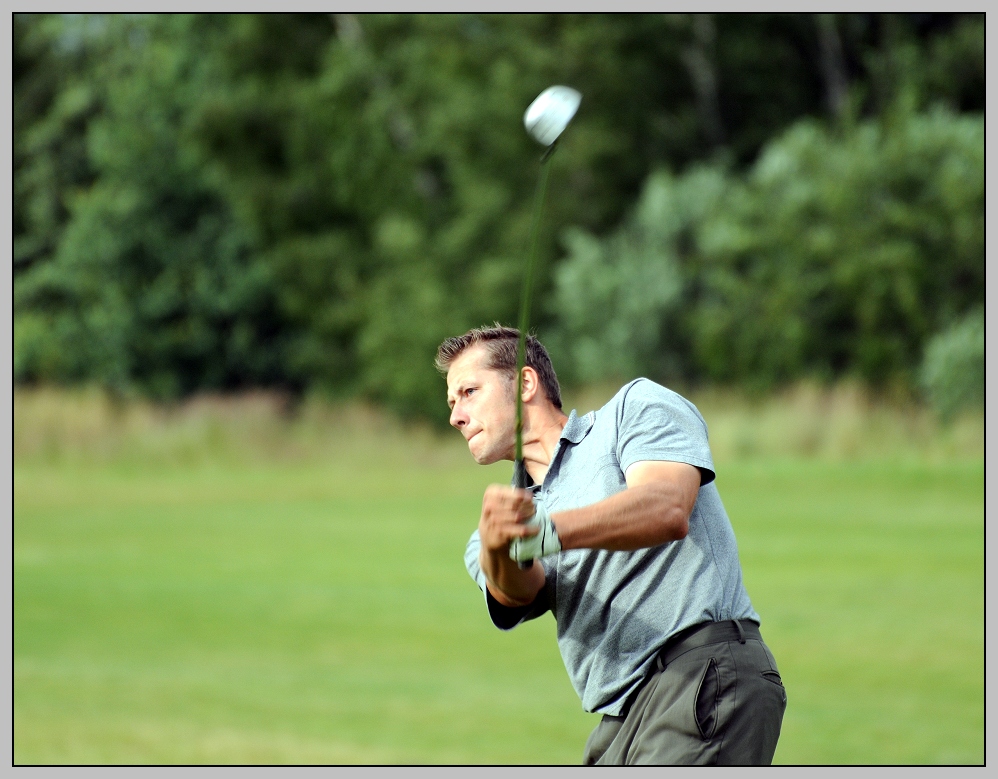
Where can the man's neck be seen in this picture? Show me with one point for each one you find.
(540, 439)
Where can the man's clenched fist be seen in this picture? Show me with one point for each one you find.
(505, 511)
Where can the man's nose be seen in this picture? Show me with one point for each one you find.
(458, 418)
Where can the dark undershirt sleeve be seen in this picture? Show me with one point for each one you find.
(508, 617)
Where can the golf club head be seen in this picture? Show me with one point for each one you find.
(547, 117)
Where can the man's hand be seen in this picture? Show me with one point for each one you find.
(505, 511)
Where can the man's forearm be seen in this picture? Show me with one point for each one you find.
(508, 584)
(637, 518)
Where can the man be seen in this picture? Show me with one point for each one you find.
(622, 535)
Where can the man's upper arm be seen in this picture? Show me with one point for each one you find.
(684, 476)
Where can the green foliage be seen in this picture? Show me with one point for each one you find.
(51, 109)
(842, 255)
(152, 284)
(834, 255)
(314, 201)
(953, 367)
(617, 300)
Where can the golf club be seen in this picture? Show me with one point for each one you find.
(545, 119)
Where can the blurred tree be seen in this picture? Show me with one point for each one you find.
(845, 256)
(833, 68)
(953, 369)
(835, 254)
(617, 301)
(151, 284)
(52, 106)
(315, 200)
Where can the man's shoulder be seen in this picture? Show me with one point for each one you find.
(642, 396)
(644, 390)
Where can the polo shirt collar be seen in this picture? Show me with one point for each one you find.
(576, 428)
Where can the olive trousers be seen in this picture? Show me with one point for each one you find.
(715, 698)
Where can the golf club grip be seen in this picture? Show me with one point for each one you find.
(520, 480)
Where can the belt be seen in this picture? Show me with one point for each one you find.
(694, 637)
(705, 633)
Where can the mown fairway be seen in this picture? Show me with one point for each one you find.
(322, 614)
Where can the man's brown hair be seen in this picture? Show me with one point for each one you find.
(500, 345)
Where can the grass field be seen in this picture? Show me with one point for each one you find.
(185, 600)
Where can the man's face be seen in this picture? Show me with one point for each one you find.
(483, 406)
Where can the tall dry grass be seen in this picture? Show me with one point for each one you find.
(844, 422)
(89, 426)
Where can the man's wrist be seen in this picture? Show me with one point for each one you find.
(496, 566)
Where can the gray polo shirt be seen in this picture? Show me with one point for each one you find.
(614, 610)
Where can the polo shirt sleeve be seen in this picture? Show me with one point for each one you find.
(505, 617)
(655, 423)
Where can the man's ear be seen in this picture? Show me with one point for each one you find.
(531, 383)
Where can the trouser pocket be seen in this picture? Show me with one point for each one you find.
(706, 701)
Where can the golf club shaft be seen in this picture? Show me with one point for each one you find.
(519, 472)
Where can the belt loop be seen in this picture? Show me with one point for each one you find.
(741, 633)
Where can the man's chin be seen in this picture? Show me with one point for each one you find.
(485, 457)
